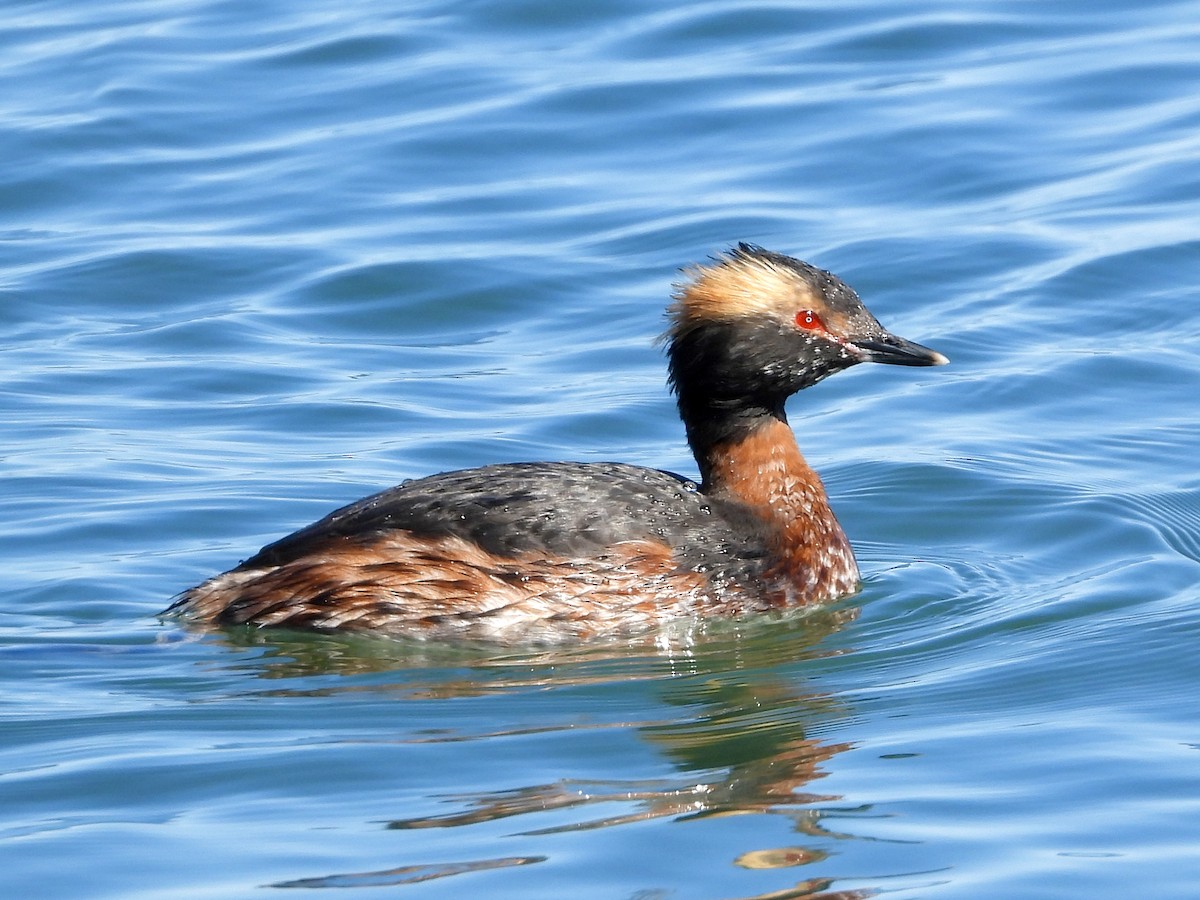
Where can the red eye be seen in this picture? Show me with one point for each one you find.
(808, 319)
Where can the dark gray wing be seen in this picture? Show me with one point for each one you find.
(561, 509)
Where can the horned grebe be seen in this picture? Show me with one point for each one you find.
(573, 549)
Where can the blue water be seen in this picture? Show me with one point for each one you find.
(260, 259)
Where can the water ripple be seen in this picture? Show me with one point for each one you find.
(260, 261)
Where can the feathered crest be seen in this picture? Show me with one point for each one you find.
(745, 282)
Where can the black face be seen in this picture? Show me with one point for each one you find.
(759, 363)
(857, 330)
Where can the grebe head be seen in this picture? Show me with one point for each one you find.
(754, 327)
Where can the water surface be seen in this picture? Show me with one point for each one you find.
(259, 260)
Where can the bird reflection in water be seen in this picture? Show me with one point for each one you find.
(742, 746)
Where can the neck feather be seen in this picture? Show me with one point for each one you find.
(762, 468)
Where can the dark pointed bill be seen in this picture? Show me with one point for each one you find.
(897, 351)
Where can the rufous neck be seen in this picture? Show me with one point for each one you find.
(758, 465)
(763, 469)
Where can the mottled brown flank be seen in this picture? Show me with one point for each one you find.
(766, 471)
(403, 584)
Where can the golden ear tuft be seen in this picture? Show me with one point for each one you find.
(747, 282)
